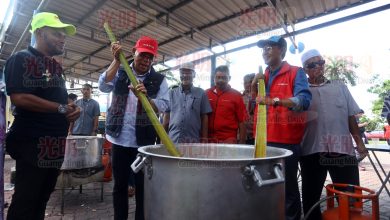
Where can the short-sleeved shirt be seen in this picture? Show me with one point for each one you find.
(89, 110)
(185, 110)
(30, 72)
(228, 112)
(327, 128)
(250, 105)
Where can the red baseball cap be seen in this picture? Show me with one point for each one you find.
(147, 44)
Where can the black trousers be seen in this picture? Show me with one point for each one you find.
(250, 141)
(293, 197)
(36, 176)
(122, 158)
(342, 169)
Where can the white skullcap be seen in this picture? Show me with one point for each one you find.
(309, 54)
(188, 65)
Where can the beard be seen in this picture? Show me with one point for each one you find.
(221, 84)
(52, 48)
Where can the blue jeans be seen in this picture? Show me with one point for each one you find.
(293, 198)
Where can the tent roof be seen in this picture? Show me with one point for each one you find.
(180, 26)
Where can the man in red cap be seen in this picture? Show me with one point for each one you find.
(127, 125)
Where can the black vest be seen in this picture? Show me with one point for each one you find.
(144, 131)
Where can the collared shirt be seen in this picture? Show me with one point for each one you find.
(127, 136)
(302, 96)
(228, 112)
(186, 108)
(85, 123)
(31, 72)
(250, 105)
(327, 127)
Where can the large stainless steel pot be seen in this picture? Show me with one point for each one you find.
(212, 181)
(82, 152)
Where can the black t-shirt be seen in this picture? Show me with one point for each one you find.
(29, 71)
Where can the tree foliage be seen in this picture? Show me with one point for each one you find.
(337, 68)
(375, 123)
(172, 79)
(381, 88)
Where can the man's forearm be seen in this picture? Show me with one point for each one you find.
(70, 130)
(95, 123)
(154, 107)
(204, 126)
(242, 130)
(288, 103)
(354, 130)
(112, 70)
(166, 119)
(34, 103)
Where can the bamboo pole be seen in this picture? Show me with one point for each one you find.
(261, 124)
(144, 100)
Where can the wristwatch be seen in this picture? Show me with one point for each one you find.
(62, 109)
(275, 101)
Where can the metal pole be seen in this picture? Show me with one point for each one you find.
(213, 64)
(32, 42)
(24, 34)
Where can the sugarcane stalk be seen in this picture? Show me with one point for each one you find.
(144, 100)
(261, 122)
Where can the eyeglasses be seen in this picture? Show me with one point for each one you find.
(315, 64)
(222, 77)
(146, 56)
(267, 49)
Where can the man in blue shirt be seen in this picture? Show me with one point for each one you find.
(87, 123)
(186, 118)
(127, 125)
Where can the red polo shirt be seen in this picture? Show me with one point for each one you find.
(228, 111)
(387, 131)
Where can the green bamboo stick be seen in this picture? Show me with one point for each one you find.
(261, 124)
(144, 100)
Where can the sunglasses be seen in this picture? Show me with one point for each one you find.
(315, 64)
(266, 49)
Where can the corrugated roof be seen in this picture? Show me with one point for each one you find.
(180, 26)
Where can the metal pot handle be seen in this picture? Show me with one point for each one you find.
(250, 171)
(138, 163)
(86, 144)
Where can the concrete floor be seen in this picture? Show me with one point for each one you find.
(87, 205)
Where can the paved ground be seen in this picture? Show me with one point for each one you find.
(87, 205)
(369, 179)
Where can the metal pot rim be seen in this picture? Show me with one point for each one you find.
(283, 152)
(83, 137)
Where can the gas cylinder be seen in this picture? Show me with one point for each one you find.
(350, 203)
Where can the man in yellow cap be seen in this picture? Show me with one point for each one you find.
(36, 140)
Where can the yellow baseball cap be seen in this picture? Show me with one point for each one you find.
(47, 19)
